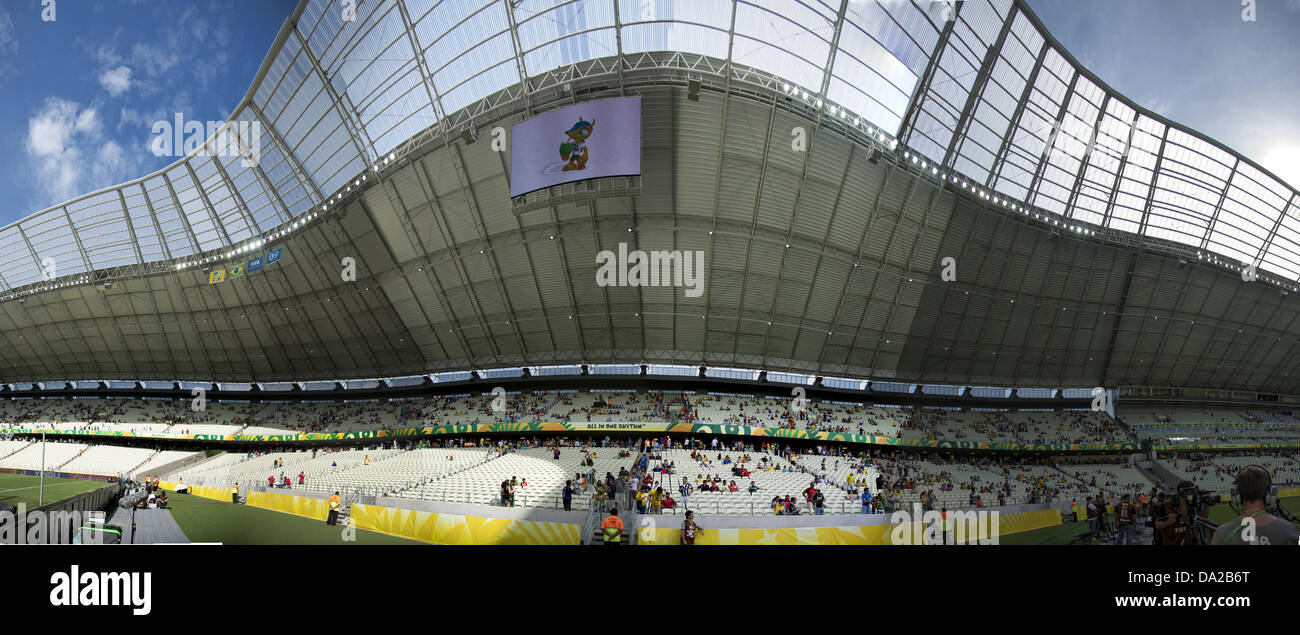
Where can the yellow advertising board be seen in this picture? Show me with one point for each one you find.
(453, 529)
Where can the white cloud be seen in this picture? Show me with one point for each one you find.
(8, 44)
(116, 81)
(68, 153)
(1283, 159)
(156, 60)
(111, 166)
(1156, 105)
(48, 132)
(106, 54)
(87, 121)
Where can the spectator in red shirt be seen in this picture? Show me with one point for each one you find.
(808, 495)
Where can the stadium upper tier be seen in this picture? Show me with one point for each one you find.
(1216, 472)
(176, 419)
(1183, 425)
(1168, 425)
(933, 132)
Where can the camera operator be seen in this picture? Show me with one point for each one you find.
(1253, 490)
(1176, 519)
(1092, 516)
(1155, 511)
(1125, 520)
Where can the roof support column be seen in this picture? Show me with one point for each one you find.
(923, 87)
(975, 94)
(1218, 207)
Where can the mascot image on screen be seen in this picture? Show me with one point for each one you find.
(575, 149)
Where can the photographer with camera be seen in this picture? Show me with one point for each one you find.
(1176, 519)
(1254, 493)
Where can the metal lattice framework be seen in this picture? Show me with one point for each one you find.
(932, 131)
(1003, 104)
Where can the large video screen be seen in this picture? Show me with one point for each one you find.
(575, 143)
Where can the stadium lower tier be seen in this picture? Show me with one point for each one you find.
(513, 491)
(729, 478)
(741, 479)
(80, 458)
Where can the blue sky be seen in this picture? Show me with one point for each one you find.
(82, 92)
(1197, 62)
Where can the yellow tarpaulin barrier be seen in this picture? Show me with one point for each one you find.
(215, 493)
(317, 508)
(851, 535)
(859, 535)
(453, 529)
(310, 507)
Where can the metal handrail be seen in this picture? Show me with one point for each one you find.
(589, 524)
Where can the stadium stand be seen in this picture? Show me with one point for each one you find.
(161, 459)
(399, 472)
(770, 474)
(107, 459)
(170, 419)
(1215, 472)
(53, 457)
(545, 475)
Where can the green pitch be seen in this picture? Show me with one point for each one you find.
(16, 489)
(207, 520)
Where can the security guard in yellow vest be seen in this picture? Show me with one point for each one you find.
(335, 503)
(234, 494)
(612, 528)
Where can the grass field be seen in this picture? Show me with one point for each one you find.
(207, 520)
(15, 489)
(1064, 533)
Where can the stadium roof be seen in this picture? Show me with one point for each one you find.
(977, 138)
